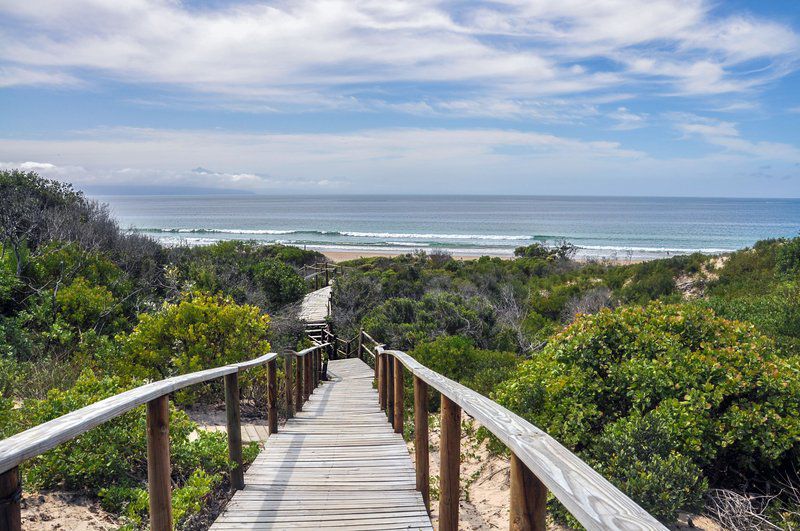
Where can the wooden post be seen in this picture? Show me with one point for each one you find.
(158, 469)
(361, 344)
(298, 383)
(398, 396)
(390, 388)
(306, 376)
(234, 425)
(272, 396)
(318, 371)
(287, 369)
(10, 498)
(421, 444)
(528, 499)
(450, 455)
(377, 370)
(381, 376)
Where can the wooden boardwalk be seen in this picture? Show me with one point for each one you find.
(336, 465)
(314, 307)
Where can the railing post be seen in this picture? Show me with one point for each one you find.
(381, 377)
(360, 344)
(421, 442)
(398, 396)
(449, 471)
(390, 388)
(158, 468)
(234, 426)
(287, 369)
(306, 376)
(298, 382)
(528, 505)
(316, 360)
(318, 357)
(11, 496)
(272, 396)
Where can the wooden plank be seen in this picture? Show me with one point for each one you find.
(336, 464)
(588, 496)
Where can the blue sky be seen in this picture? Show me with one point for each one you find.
(583, 97)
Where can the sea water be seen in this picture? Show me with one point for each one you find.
(609, 227)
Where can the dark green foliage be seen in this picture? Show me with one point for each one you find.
(715, 392)
(403, 322)
(280, 282)
(748, 271)
(788, 258)
(250, 273)
(457, 358)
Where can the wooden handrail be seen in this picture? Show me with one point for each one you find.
(32, 442)
(588, 496)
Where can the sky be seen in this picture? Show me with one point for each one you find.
(542, 97)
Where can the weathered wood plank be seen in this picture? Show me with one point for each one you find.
(336, 464)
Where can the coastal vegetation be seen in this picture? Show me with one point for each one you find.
(677, 379)
(88, 311)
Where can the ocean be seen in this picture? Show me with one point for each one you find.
(601, 227)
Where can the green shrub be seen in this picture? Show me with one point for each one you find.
(457, 358)
(716, 390)
(199, 332)
(787, 259)
(111, 460)
(279, 281)
(84, 305)
(403, 322)
(748, 271)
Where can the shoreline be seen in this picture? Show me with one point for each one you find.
(345, 256)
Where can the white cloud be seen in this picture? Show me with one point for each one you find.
(726, 135)
(323, 53)
(369, 158)
(627, 120)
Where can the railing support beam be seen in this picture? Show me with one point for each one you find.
(158, 468)
(287, 379)
(11, 493)
(380, 361)
(421, 442)
(272, 397)
(449, 472)
(298, 382)
(306, 376)
(398, 396)
(390, 388)
(528, 505)
(234, 425)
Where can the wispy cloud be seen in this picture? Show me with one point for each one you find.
(726, 135)
(327, 53)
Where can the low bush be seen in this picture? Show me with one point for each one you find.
(111, 460)
(457, 358)
(707, 399)
(199, 332)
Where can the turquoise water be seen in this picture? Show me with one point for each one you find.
(599, 226)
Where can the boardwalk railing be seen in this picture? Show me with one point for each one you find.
(18, 448)
(538, 462)
(319, 274)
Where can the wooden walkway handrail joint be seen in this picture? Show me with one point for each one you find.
(538, 462)
(32, 442)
